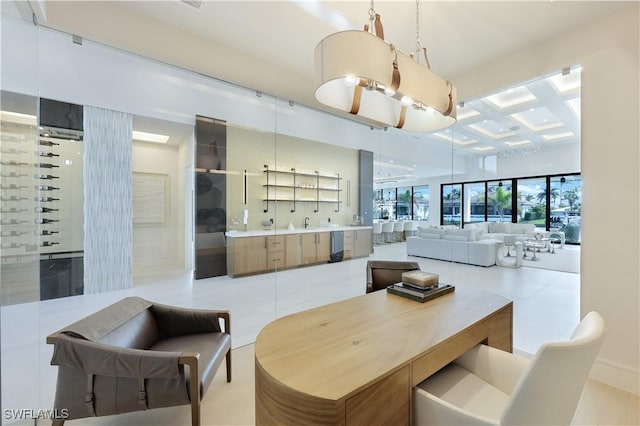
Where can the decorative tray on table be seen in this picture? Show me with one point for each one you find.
(420, 286)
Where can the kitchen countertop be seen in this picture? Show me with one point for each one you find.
(285, 231)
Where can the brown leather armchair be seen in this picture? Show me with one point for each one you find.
(383, 273)
(138, 355)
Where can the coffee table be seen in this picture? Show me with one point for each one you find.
(535, 244)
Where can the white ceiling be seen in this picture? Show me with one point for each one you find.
(268, 45)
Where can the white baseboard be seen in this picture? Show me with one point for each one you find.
(616, 375)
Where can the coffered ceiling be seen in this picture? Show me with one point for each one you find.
(268, 46)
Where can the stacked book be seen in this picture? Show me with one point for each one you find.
(420, 286)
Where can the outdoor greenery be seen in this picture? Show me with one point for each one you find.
(500, 200)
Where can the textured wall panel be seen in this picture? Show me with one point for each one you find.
(107, 200)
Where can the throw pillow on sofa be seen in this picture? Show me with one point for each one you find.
(500, 227)
(424, 231)
(477, 228)
(467, 234)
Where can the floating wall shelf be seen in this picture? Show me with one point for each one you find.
(301, 187)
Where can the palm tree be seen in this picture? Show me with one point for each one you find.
(542, 196)
(405, 196)
(453, 195)
(571, 196)
(500, 200)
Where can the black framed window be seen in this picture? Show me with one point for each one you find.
(551, 202)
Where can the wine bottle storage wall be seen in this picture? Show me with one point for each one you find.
(17, 181)
(48, 194)
(59, 193)
(19, 251)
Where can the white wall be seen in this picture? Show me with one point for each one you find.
(251, 150)
(608, 51)
(160, 245)
(551, 160)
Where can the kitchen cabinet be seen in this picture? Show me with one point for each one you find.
(348, 244)
(275, 252)
(362, 243)
(248, 255)
(293, 250)
(315, 247)
(256, 252)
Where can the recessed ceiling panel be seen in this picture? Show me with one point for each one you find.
(538, 119)
(566, 83)
(466, 112)
(550, 137)
(517, 143)
(492, 129)
(462, 140)
(511, 97)
(574, 106)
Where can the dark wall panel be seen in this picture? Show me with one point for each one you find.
(365, 186)
(210, 197)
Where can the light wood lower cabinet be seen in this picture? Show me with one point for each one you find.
(293, 250)
(255, 255)
(275, 252)
(348, 244)
(315, 247)
(362, 243)
(246, 255)
(357, 243)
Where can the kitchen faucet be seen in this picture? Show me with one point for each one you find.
(306, 222)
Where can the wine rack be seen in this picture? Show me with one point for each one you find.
(48, 157)
(18, 228)
(41, 212)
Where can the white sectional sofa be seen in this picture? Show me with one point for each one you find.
(498, 230)
(458, 245)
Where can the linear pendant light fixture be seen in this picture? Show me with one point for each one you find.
(362, 74)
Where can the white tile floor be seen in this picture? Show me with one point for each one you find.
(546, 307)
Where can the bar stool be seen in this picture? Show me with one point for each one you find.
(377, 232)
(387, 232)
(398, 231)
(409, 228)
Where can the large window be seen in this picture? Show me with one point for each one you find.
(499, 201)
(532, 201)
(405, 203)
(552, 203)
(475, 202)
(421, 202)
(566, 208)
(385, 203)
(451, 204)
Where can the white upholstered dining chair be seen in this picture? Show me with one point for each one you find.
(487, 386)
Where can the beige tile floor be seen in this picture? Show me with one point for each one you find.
(546, 307)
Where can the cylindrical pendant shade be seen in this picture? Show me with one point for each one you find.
(342, 59)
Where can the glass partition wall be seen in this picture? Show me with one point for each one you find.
(192, 196)
(199, 198)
